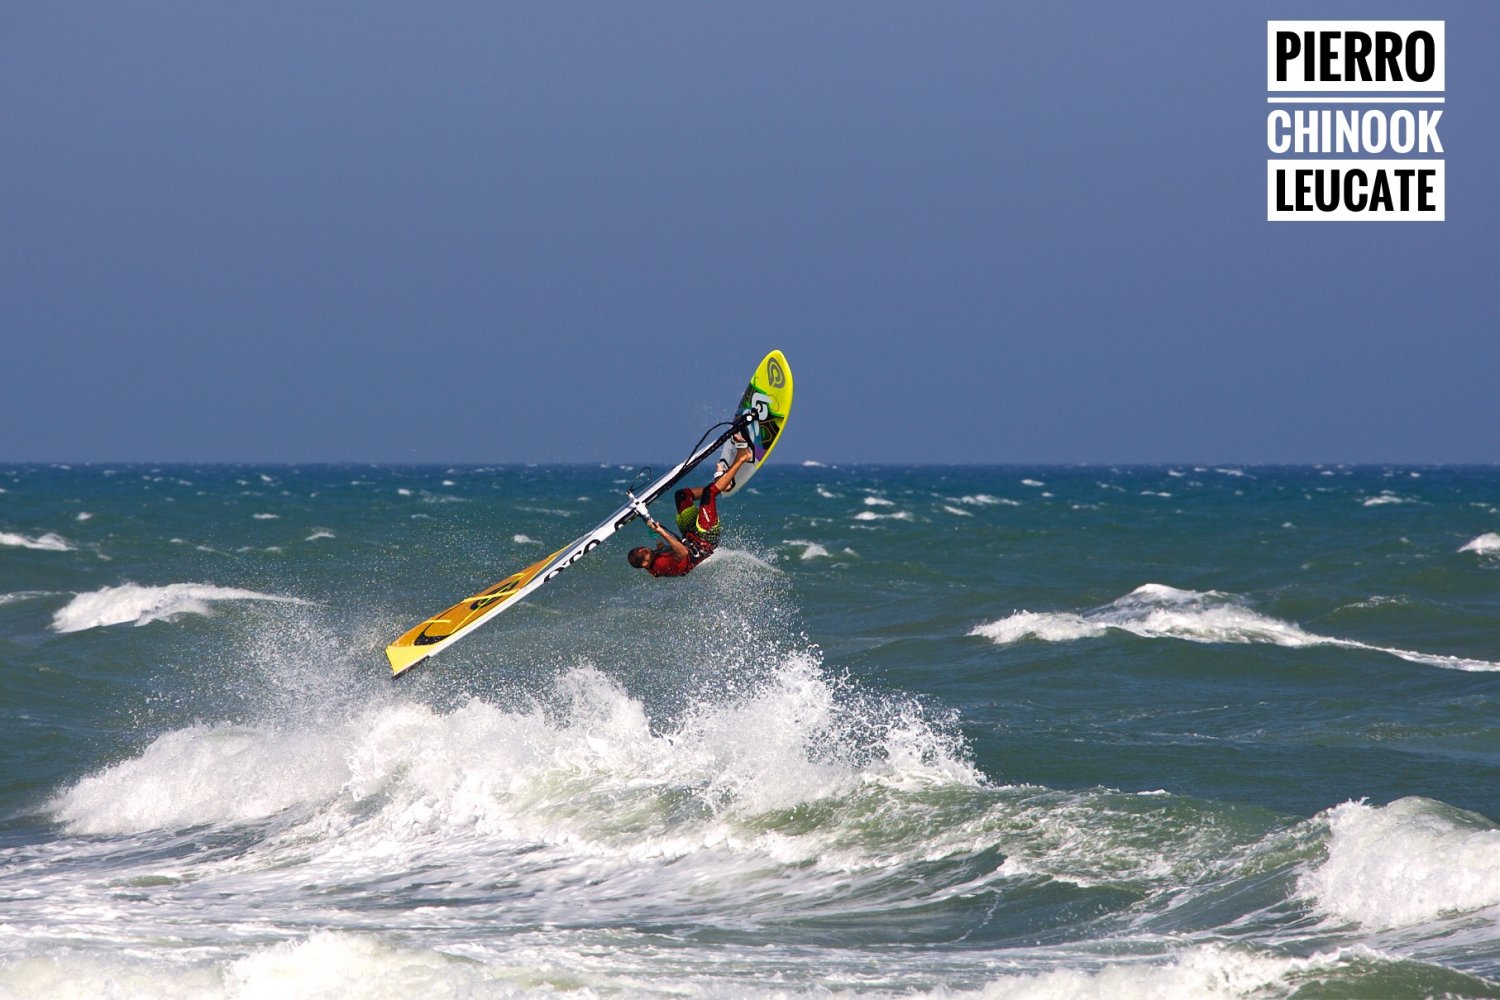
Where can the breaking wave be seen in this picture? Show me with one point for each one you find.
(1406, 863)
(1487, 544)
(1155, 611)
(134, 604)
(50, 542)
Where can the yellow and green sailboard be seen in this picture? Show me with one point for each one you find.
(761, 414)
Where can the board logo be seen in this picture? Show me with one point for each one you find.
(774, 374)
(1354, 137)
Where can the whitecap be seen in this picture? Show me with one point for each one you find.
(1406, 863)
(1385, 498)
(401, 771)
(984, 500)
(811, 550)
(870, 515)
(1487, 544)
(1157, 611)
(23, 595)
(50, 542)
(135, 604)
(1049, 627)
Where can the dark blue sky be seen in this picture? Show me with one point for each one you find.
(984, 232)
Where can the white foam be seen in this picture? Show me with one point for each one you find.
(959, 511)
(1156, 611)
(985, 500)
(202, 776)
(873, 501)
(524, 540)
(139, 605)
(1053, 627)
(23, 595)
(1203, 972)
(1405, 863)
(1385, 498)
(342, 964)
(811, 550)
(50, 542)
(399, 773)
(267, 517)
(319, 533)
(555, 963)
(870, 515)
(1487, 544)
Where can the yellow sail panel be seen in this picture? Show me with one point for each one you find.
(768, 398)
(437, 631)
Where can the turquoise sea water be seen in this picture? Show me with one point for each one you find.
(1031, 732)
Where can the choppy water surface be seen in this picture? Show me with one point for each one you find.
(1028, 732)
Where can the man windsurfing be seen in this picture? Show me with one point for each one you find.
(697, 519)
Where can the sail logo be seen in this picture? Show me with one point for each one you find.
(1353, 131)
(774, 374)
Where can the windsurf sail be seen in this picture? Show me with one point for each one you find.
(760, 420)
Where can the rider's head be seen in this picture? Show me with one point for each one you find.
(639, 557)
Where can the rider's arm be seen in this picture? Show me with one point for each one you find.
(678, 549)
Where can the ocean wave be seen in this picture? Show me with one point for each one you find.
(1407, 863)
(587, 771)
(50, 542)
(558, 962)
(1156, 611)
(1203, 971)
(810, 550)
(1048, 627)
(136, 604)
(1385, 499)
(984, 500)
(870, 515)
(23, 595)
(1487, 544)
(205, 775)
